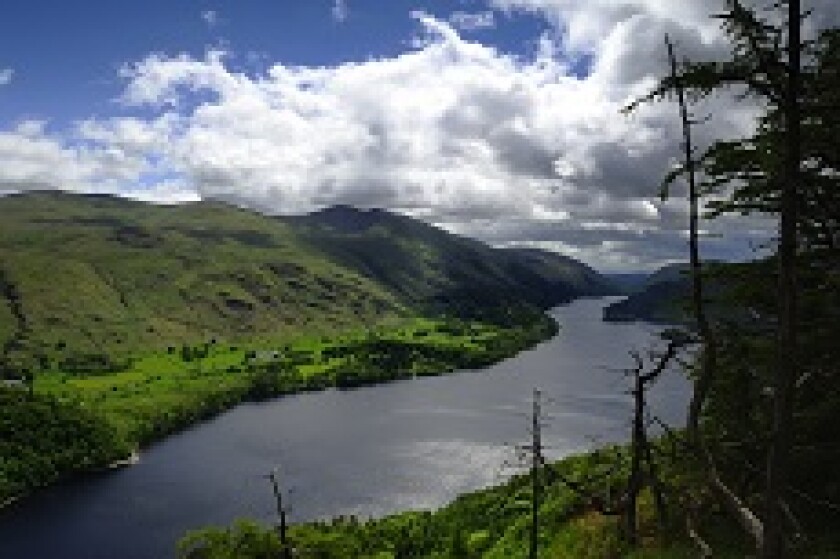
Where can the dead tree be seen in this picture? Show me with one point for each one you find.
(709, 354)
(536, 462)
(286, 552)
(644, 471)
(534, 452)
(541, 473)
(641, 448)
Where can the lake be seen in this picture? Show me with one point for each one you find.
(409, 444)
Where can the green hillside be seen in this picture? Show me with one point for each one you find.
(436, 271)
(93, 278)
(661, 298)
(665, 295)
(91, 274)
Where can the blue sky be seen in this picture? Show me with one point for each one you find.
(66, 55)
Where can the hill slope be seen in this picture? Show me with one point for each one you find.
(661, 298)
(665, 297)
(107, 276)
(434, 270)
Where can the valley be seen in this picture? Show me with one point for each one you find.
(154, 318)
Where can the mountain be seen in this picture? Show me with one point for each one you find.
(660, 298)
(665, 296)
(110, 276)
(437, 271)
(629, 282)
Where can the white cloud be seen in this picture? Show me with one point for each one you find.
(6, 75)
(163, 81)
(210, 17)
(592, 25)
(340, 11)
(31, 128)
(34, 160)
(454, 129)
(504, 148)
(466, 21)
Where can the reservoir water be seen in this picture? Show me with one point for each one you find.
(371, 451)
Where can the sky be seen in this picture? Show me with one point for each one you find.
(496, 119)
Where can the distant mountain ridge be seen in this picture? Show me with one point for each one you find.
(660, 298)
(109, 275)
(628, 282)
(437, 270)
(666, 294)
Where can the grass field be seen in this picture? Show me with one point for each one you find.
(161, 391)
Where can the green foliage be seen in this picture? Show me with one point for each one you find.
(244, 540)
(438, 272)
(43, 438)
(132, 277)
(748, 425)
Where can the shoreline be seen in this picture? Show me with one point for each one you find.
(538, 332)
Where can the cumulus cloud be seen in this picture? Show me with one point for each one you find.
(597, 26)
(6, 75)
(509, 149)
(454, 130)
(34, 160)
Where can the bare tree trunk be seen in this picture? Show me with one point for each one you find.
(703, 548)
(281, 514)
(640, 445)
(536, 461)
(634, 484)
(778, 463)
(709, 356)
(749, 522)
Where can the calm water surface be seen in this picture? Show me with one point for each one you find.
(410, 444)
